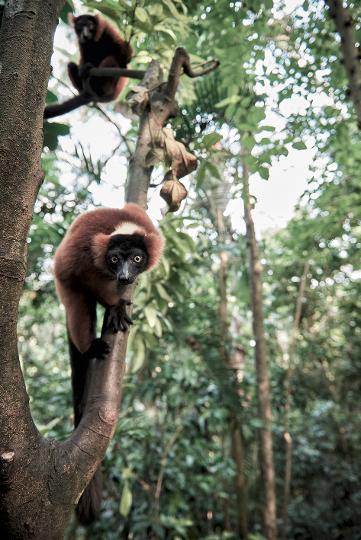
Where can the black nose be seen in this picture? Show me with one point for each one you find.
(123, 275)
(124, 281)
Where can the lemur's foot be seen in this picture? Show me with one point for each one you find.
(98, 349)
(118, 319)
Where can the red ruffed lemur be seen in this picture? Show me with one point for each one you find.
(101, 45)
(103, 251)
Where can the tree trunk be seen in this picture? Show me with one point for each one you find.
(236, 438)
(263, 388)
(350, 52)
(286, 434)
(241, 485)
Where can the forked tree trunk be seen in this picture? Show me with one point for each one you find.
(263, 387)
(41, 480)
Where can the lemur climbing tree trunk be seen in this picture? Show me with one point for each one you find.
(350, 52)
(41, 480)
(263, 387)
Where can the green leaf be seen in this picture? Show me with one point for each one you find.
(248, 142)
(299, 145)
(139, 354)
(161, 28)
(53, 130)
(51, 97)
(158, 330)
(126, 500)
(201, 173)
(264, 173)
(151, 315)
(231, 100)
(162, 292)
(213, 169)
(210, 139)
(141, 14)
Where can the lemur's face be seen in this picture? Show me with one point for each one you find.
(126, 257)
(85, 27)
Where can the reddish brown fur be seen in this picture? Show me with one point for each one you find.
(79, 265)
(120, 56)
(125, 51)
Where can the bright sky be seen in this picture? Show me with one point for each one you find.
(276, 197)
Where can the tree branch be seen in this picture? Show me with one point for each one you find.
(117, 72)
(181, 61)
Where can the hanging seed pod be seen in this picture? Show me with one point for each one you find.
(173, 192)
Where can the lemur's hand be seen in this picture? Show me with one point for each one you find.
(118, 319)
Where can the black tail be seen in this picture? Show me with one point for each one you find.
(89, 504)
(56, 109)
(88, 507)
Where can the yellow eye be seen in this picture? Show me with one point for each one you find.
(137, 258)
(114, 259)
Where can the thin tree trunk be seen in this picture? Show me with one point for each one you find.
(287, 435)
(263, 388)
(350, 52)
(236, 438)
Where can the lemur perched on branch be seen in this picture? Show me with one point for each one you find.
(101, 45)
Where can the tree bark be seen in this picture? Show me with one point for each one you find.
(286, 434)
(25, 49)
(263, 387)
(350, 52)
